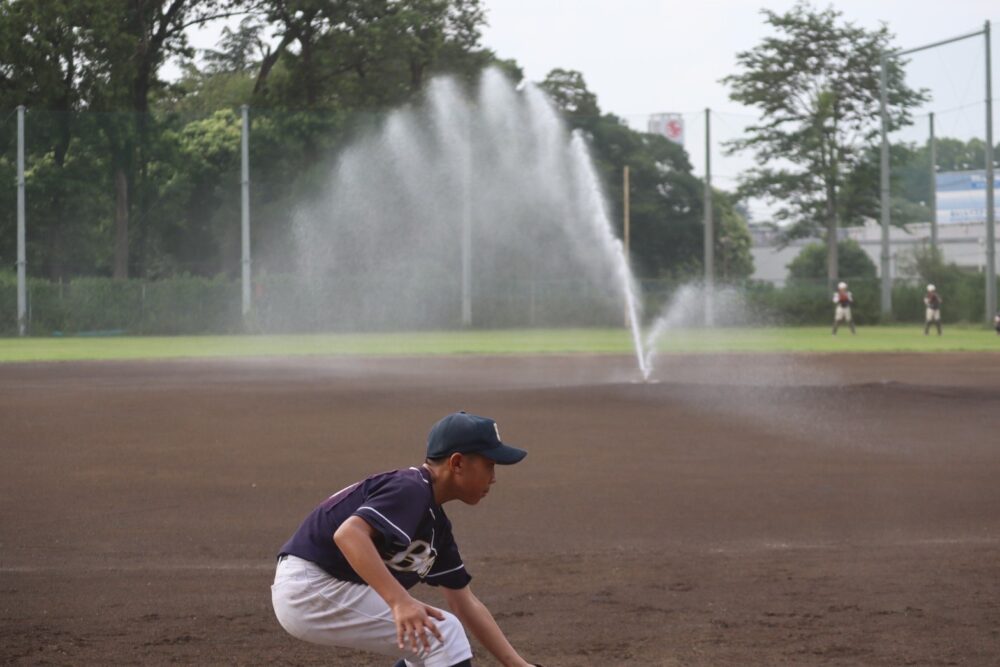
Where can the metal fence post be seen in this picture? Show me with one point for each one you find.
(245, 206)
(22, 262)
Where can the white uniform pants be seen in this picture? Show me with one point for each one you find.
(315, 607)
(842, 314)
(932, 315)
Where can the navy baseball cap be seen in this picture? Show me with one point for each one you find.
(470, 434)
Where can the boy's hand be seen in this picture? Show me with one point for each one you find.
(413, 620)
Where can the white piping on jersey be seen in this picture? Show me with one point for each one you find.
(346, 488)
(438, 574)
(421, 477)
(433, 516)
(401, 531)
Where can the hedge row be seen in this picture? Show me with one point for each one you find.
(963, 300)
(193, 305)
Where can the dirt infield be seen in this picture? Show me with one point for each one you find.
(764, 509)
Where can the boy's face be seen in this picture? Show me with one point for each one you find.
(474, 476)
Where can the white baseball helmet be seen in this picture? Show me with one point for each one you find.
(931, 288)
(841, 285)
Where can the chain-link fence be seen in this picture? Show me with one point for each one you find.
(463, 210)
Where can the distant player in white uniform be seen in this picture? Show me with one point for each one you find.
(932, 315)
(843, 300)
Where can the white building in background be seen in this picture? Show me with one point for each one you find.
(961, 243)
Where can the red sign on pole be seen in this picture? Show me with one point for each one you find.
(669, 125)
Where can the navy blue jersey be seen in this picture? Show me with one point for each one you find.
(413, 534)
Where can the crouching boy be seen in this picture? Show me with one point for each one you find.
(343, 578)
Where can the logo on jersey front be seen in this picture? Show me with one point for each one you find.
(418, 557)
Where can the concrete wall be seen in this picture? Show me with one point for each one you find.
(961, 243)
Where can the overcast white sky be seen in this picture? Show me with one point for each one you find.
(644, 56)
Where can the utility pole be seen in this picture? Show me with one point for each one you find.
(245, 206)
(884, 188)
(932, 157)
(22, 262)
(991, 244)
(625, 227)
(708, 224)
(467, 230)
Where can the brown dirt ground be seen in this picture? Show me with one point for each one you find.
(758, 509)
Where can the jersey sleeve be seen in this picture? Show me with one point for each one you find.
(449, 570)
(394, 508)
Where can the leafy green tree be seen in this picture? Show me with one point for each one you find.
(817, 87)
(810, 264)
(568, 91)
(51, 66)
(955, 155)
(734, 262)
(134, 39)
(371, 53)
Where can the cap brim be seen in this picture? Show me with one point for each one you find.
(504, 454)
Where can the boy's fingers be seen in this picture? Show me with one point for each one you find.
(434, 630)
(413, 641)
(436, 613)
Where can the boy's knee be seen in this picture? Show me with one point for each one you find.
(453, 632)
(454, 649)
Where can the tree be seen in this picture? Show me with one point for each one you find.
(568, 91)
(52, 67)
(666, 199)
(817, 87)
(375, 51)
(136, 37)
(733, 260)
(810, 263)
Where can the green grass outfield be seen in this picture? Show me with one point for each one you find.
(908, 338)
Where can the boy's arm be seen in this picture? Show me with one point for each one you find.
(355, 538)
(478, 619)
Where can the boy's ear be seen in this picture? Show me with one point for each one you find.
(456, 461)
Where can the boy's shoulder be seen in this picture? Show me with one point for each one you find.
(412, 480)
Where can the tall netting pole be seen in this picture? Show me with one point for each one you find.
(932, 195)
(245, 206)
(467, 232)
(626, 222)
(991, 266)
(884, 187)
(22, 296)
(709, 232)
(991, 281)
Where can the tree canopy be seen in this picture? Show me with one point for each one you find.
(816, 83)
(810, 264)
